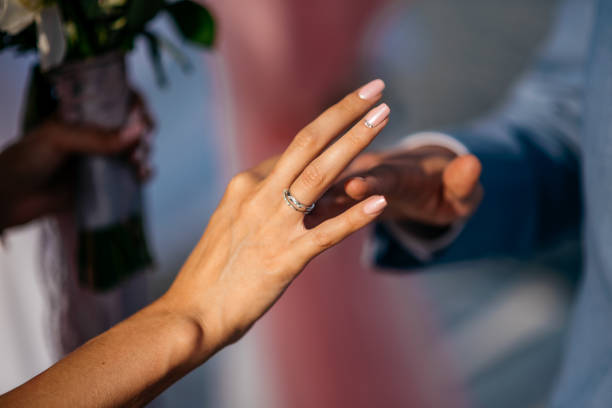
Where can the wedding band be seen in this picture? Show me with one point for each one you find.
(295, 204)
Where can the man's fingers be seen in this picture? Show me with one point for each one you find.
(334, 230)
(461, 184)
(357, 187)
(461, 177)
(467, 206)
(384, 180)
(311, 140)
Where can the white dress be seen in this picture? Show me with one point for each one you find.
(44, 313)
(25, 349)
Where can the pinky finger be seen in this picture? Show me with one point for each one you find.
(334, 230)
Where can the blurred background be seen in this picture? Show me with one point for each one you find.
(478, 334)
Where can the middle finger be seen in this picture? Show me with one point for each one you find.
(311, 140)
(322, 171)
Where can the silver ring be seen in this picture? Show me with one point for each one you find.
(295, 204)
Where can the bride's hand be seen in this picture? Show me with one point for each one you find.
(253, 247)
(255, 243)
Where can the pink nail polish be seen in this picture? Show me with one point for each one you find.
(377, 115)
(372, 89)
(374, 205)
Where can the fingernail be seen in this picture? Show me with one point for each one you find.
(372, 89)
(374, 205)
(377, 115)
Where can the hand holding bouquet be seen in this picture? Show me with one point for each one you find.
(82, 76)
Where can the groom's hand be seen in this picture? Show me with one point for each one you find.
(429, 185)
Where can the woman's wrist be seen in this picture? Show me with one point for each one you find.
(189, 337)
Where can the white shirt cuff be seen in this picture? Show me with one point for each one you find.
(422, 139)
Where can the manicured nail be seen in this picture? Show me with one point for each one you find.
(372, 89)
(374, 205)
(377, 115)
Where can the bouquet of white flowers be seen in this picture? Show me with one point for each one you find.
(81, 75)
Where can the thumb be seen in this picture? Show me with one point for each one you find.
(461, 177)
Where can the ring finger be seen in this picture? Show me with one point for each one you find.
(322, 171)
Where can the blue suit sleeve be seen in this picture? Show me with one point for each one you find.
(530, 151)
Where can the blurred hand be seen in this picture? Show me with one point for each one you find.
(255, 243)
(429, 185)
(37, 176)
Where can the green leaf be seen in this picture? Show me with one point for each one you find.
(194, 22)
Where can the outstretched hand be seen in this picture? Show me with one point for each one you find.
(256, 243)
(429, 185)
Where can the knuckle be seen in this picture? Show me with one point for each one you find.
(349, 105)
(357, 139)
(306, 137)
(240, 182)
(312, 176)
(322, 239)
(351, 221)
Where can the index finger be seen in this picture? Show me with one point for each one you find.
(311, 140)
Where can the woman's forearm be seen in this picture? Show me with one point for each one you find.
(128, 365)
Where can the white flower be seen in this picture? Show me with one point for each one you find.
(16, 15)
(111, 3)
